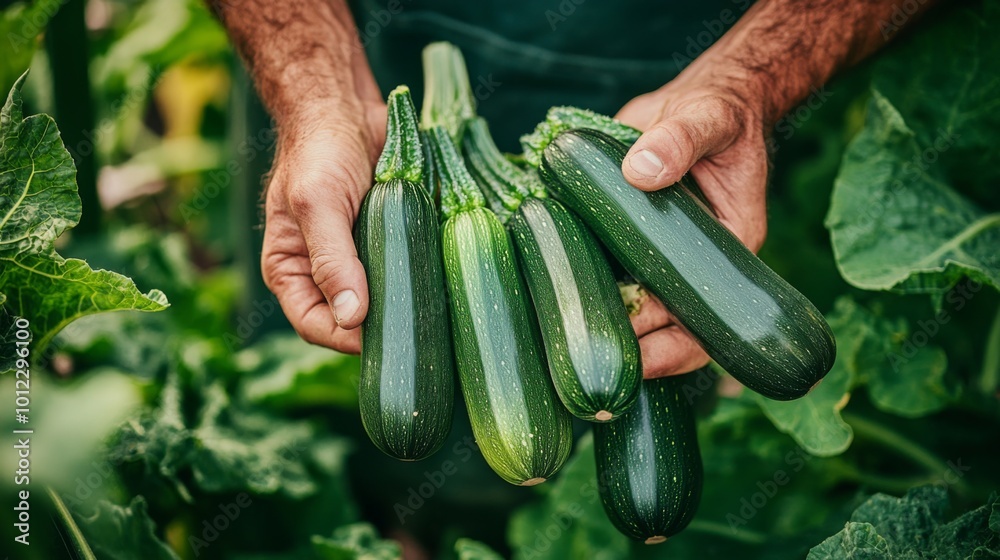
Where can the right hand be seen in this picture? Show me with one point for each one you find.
(322, 171)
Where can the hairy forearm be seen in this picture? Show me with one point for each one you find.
(782, 49)
(304, 56)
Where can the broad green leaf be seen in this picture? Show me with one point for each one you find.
(814, 420)
(857, 541)
(8, 338)
(38, 202)
(283, 371)
(123, 533)
(913, 527)
(902, 377)
(228, 447)
(21, 25)
(899, 218)
(468, 549)
(359, 541)
(906, 374)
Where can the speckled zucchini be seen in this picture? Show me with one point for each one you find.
(592, 350)
(749, 320)
(649, 468)
(406, 388)
(520, 427)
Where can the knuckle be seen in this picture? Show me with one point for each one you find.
(327, 272)
(679, 139)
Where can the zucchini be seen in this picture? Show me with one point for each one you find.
(406, 387)
(754, 324)
(592, 350)
(521, 429)
(649, 468)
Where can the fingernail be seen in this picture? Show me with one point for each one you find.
(345, 305)
(645, 163)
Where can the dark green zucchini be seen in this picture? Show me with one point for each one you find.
(592, 350)
(649, 469)
(749, 320)
(406, 388)
(520, 427)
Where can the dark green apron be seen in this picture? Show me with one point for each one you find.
(524, 57)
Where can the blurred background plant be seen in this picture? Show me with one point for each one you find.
(210, 430)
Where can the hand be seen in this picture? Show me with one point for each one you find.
(322, 170)
(705, 125)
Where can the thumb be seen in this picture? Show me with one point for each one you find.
(326, 225)
(666, 151)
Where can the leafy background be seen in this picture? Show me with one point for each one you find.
(884, 211)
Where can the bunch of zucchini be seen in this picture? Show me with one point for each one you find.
(516, 282)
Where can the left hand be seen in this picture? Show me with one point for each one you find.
(708, 126)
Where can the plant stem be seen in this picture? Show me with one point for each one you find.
(74, 530)
(906, 447)
(891, 484)
(990, 374)
(448, 99)
(716, 528)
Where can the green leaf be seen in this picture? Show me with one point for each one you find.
(359, 541)
(913, 527)
(468, 549)
(899, 218)
(228, 447)
(20, 27)
(902, 378)
(8, 337)
(814, 421)
(123, 533)
(38, 202)
(857, 541)
(283, 371)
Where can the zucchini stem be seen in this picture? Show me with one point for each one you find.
(448, 100)
(902, 445)
(402, 157)
(500, 179)
(459, 192)
(724, 530)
